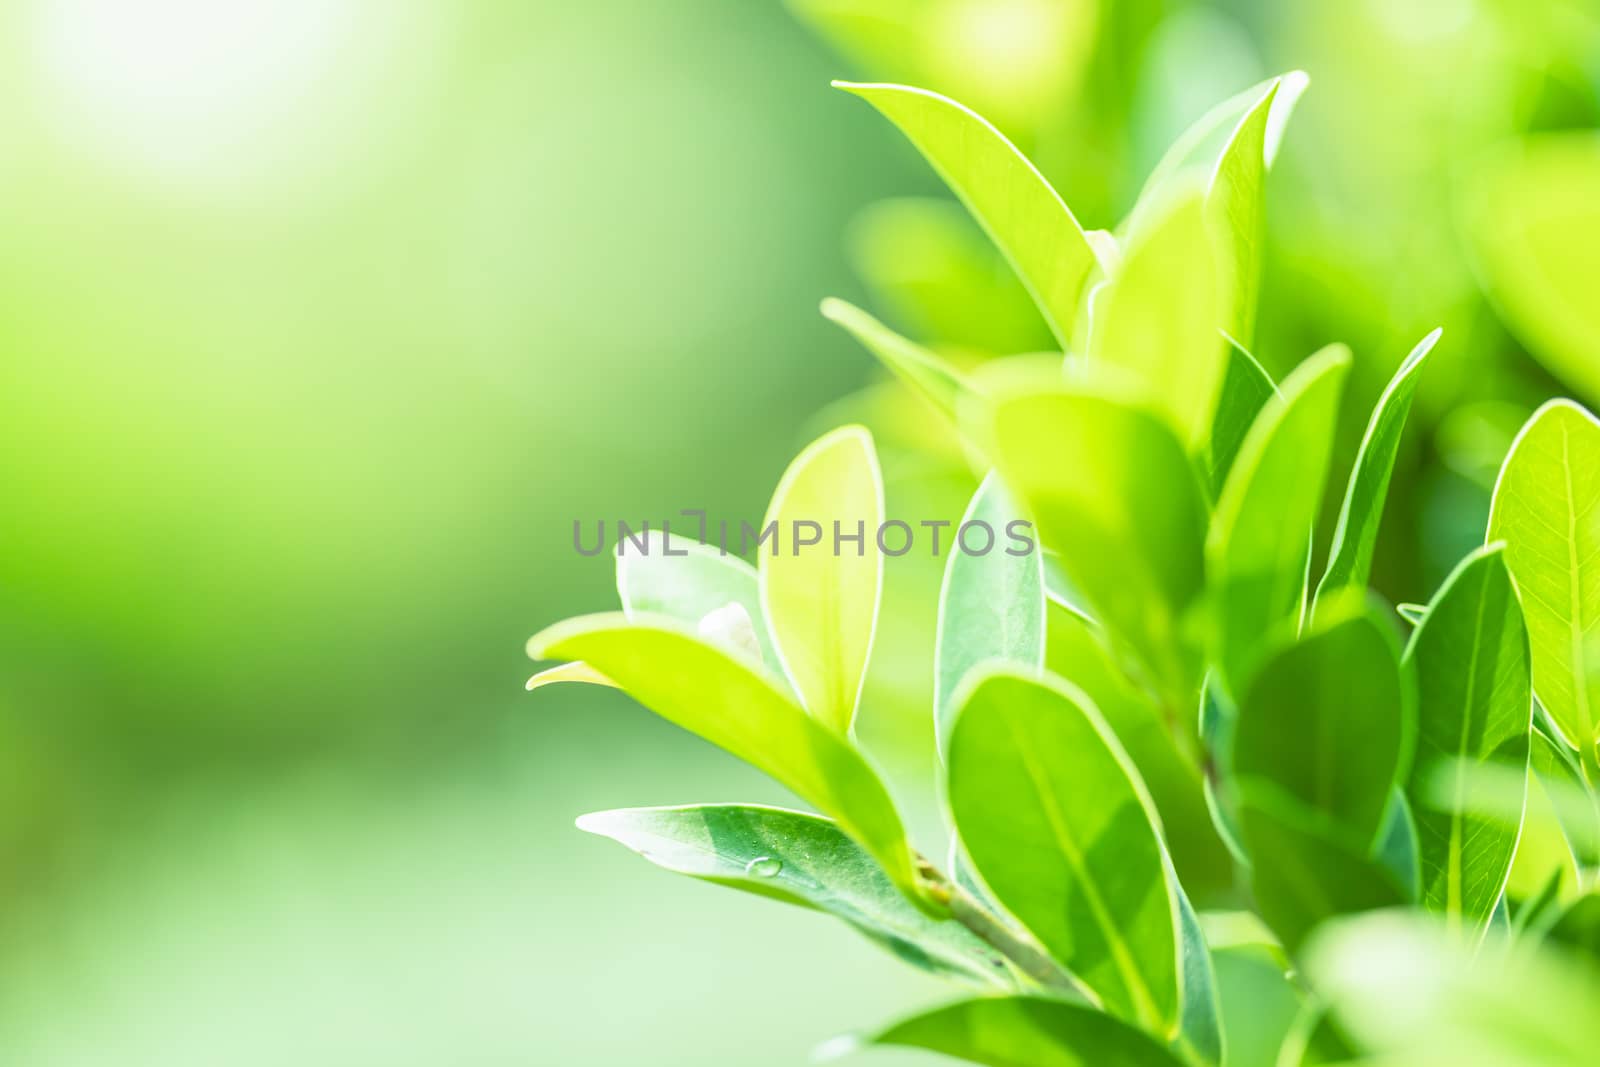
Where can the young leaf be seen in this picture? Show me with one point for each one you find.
(1060, 830)
(1474, 705)
(1326, 721)
(1157, 317)
(1236, 208)
(821, 599)
(1075, 651)
(1306, 868)
(1008, 196)
(738, 706)
(1260, 539)
(925, 373)
(801, 859)
(1018, 1031)
(1246, 388)
(1350, 559)
(686, 580)
(991, 606)
(1546, 508)
(1113, 494)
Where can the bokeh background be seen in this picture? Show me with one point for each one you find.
(322, 320)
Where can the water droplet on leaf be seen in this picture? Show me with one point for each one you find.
(763, 867)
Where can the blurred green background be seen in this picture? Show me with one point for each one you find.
(322, 320)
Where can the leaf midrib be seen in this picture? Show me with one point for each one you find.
(1144, 1006)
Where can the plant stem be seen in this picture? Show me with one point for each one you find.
(1013, 944)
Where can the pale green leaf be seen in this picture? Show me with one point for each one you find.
(1157, 316)
(1246, 388)
(1076, 651)
(1113, 494)
(1260, 538)
(688, 581)
(1022, 1032)
(821, 600)
(929, 376)
(1259, 1004)
(1350, 559)
(805, 860)
(991, 605)
(1326, 720)
(1546, 509)
(741, 707)
(1005, 193)
(1474, 705)
(1415, 995)
(1056, 824)
(1200, 1037)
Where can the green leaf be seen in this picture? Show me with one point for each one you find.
(688, 581)
(1260, 538)
(1306, 867)
(800, 859)
(1534, 223)
(822, 600)
(991, 606)
(1113, 494)
(1059, 829)
(1546, 509)
(1022, 1032)
(1236, 203)
(1200, 1036)
(1326, 721)
(1246, 388)
(740, 707)
(1350, 559)
(1259, 1004)
(1578, 927)
(1008, 196)
(1396, 849)
(1157, 316)
(929, 376)
(1474, 704)
(1075, 650)
(1411, 993)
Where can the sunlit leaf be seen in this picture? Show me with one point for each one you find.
(688, 581)
(1325, 720)
(929, 376)
(1474, 704)
(1058, 827)
(991, 606)
(1005, 193)
(801, 859)
(738, 706)
(1413, 994)
(1022, 1032)
(1260, 538)
(821, 599)
(1350, 559)
(1115, 497)
(1157, 317)
(1076, 652)
(1547, 510)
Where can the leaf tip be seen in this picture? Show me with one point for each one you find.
(837, 1048)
